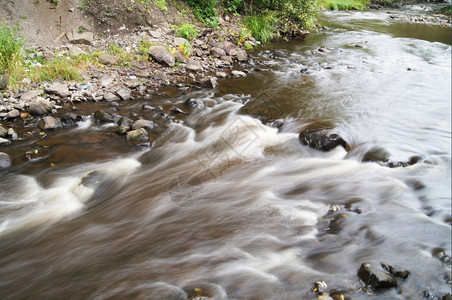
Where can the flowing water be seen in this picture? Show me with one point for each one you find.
(229, 207)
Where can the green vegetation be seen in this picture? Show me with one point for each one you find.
(345, 4)
(447, 10)
(57, 69)
(266, 19)
(185, 30)
(185, 49)
(12, 56)
(162, 5)
(262, 26)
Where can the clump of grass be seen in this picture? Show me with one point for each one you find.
(144, 45)
(57, 69)
(12, 55)
(262, 27)
(185, 49)
(345, 4)
(186, 30)
(123, 56)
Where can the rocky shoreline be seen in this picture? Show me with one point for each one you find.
(214, 54)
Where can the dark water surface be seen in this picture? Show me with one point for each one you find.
(228, 207)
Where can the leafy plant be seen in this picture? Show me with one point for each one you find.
(204, 10)
(162, 5)
(186, 30)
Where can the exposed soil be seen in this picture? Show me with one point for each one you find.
(44, 25)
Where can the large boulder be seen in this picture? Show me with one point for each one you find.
(103, 117)
(138, 136)
(39, 107)
(59, 89)
(49, 123)
(376, 278)
(322, 138)
(80, 38)
(161, 55)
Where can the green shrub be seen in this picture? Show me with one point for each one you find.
(204, 10)
(186, 30)
(57, 69)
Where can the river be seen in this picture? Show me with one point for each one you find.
(225, 205)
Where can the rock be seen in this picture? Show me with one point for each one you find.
(110, 97)
(4, 79)
(227, 59)
(39, 107)
(124, 93)
(3, 131)
(138, 136)
(103, 117)
(217, 52)
(59, 89)
(160, 75)
(142, 73)
(193, 65)
(324, 49)
(179, 40)
(155, 34)
(106, 80)
(70, 119)
(107, 59)
(75, 51)
(13, 134)
(279, 53)
(448, 296)
(139, 64)
(13, 114)
(4, 141)
(396, 271)
(5, 160)
(48, 55)
(376, 278)
(81, 38)
(180, 58)
(141, 123)
(241, 55)
(228, 47)
(49, 123)
(161, 55)
(30, 95)
(221, 74)
(321, 139)
(361, 45)
(124, 125)
(237, 74)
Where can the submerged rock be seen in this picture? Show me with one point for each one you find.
(396, 271)
(70, 119)
(321, 139)
(376, 278)
(103, 116)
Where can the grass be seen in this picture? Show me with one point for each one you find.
(57, 69)
(162, 5)
(12, 55)
(345, 4)
(262, 27)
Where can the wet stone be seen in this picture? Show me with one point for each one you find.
(5, 160)
(49, 123)
(396, 271)
(321, 139)
(143, 124)
(39, 107)
(70, 119)
(138, 136)
(3, 131)
(103, 116)
(376, 278)
(4, 141)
